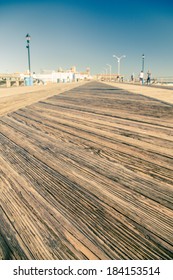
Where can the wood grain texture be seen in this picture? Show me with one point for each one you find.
(87, 174)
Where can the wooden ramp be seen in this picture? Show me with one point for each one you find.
(87, 174)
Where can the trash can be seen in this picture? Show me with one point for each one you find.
(28, 81)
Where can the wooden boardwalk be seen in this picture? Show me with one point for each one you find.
(87, 174)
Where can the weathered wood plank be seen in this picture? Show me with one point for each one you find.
(88, 174)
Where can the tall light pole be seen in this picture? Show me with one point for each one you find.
(28, 38)
(110, 67)
(106, 70)
(143, 57)
(119, 60)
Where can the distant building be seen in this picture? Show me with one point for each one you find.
(73, 69)
(62, 76)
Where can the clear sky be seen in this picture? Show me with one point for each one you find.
(87, 33)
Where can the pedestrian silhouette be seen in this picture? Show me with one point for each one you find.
(148, 77)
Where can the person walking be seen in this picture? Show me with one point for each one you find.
(141, 77)
(132, 77)
(148, 77)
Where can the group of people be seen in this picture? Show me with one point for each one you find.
(141, 77)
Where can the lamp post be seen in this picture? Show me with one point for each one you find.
(110, 67)
(143, 57)
(28, 38)
(119, 60)
(106, 70)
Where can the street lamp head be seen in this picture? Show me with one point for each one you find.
(143, 56)
(123, 56)
(28, 37)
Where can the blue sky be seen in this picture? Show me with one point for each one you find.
(87, 34)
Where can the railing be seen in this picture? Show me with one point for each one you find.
(164, 80)
(9, 80)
